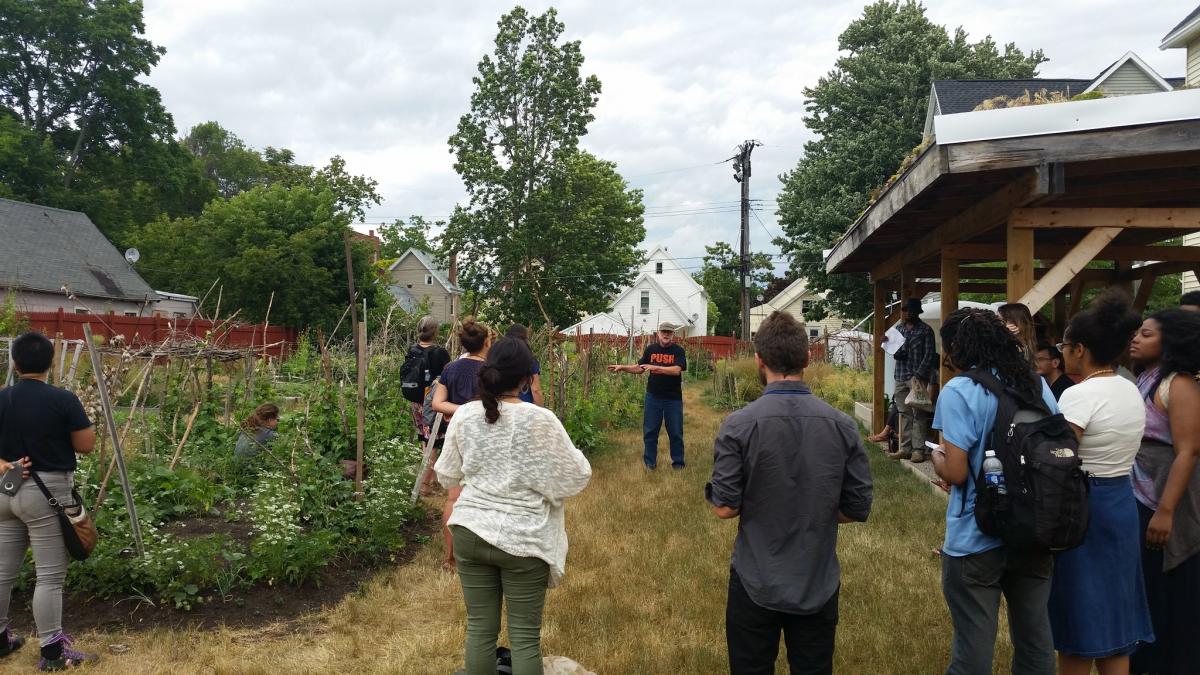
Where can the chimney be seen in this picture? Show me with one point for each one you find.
(453, 271)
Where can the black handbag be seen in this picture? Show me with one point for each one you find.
(78, 528)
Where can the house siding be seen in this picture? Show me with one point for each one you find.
(35, 301)
(1189, 278)
(1128, 80)
(411, 274)
(1193, 63)
(674, 296)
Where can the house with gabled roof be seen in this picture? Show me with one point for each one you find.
(661, 292)
(416, 278)
(1128, 75)
(797, 299)
(53, 259)
(1186, 35)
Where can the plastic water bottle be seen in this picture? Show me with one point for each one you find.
(993, 473)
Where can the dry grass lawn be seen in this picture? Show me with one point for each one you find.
(644, 592)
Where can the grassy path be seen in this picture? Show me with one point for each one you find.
(644, 592)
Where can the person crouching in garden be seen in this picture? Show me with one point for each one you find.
(791, 468)
(978, 568)
(257, 431)
(1098, 608)
(42, 427)
(513, 465)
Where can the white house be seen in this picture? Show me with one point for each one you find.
(662, 291)
(796, 299)
(1186, 36)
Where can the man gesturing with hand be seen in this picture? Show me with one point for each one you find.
(664, 361)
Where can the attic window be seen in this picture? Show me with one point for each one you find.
(806, 305)
(645, 302)
(658, 268)
(428, 279)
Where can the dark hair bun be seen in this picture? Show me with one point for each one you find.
(1106, 326)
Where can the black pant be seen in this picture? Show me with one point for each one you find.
(752, 633)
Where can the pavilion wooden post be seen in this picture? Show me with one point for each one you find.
(949, 300)
(1145, 288)
(908, 284)
(1020, 262)
(878, 410)
(1060, 316)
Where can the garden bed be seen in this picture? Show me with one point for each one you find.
(252, 607)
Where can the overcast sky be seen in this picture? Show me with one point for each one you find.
(383, 83)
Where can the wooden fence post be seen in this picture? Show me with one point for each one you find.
(361, 341)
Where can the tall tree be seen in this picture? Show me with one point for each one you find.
(399, 236)
(516, 152)
(869, 112)
(721, 278)
(277, 239)
(69, 69)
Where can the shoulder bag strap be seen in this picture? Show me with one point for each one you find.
(51, 499)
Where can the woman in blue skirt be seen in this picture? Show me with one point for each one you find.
(1098, 609)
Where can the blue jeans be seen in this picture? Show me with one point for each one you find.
(658, 410)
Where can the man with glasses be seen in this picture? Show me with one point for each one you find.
(664, 361)
(1050, 367)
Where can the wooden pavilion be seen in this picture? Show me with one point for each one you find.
(1047, 189)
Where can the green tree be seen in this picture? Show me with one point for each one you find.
(554, 228)
(226, 160)
(69, 70)
(869, 112)
(277, 239)
(400, 236)
(720, 276)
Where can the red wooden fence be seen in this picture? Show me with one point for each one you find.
(149, 329)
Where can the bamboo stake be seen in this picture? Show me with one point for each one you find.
(137, 397)
(56, 360)
(187, 431)
(266, 325)
(136, 526)
(361, 413)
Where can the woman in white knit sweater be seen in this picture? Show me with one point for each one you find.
(515, 464)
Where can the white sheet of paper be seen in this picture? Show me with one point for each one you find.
(894, 341)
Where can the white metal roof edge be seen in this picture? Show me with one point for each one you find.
(1065, 118)
(1178, 38)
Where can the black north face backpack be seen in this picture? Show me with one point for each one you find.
(413, 373)
(1046, 505)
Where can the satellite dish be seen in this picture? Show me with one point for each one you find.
(132, 255)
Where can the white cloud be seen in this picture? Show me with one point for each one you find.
(384, 83)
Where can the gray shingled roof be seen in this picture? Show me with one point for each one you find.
(43, 249)
(1195, 13)
(959, 96)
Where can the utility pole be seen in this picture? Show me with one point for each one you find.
(741, 173)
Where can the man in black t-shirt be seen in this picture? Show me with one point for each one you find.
(1050, 366)
(665, 362)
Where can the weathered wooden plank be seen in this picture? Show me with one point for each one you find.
(928, 168)
(1009, 153)
(1067, 268)
(1143, 218)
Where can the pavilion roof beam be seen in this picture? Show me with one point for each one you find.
(1133, 218)
(992, 252)
(983, 216)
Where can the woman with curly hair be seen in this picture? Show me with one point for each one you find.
(1098, 606)
(1166, 485)
(977, 568)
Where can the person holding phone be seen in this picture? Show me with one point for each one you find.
(42, 427)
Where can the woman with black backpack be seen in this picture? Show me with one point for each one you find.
(1097, 600)
(423, 365)
(978, 568)
(1166, 485)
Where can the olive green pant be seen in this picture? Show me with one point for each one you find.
(490, 577)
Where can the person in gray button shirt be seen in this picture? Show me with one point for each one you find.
(791, 468)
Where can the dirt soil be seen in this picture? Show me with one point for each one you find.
(247, 608)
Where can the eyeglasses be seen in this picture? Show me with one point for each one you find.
(1063, 345)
